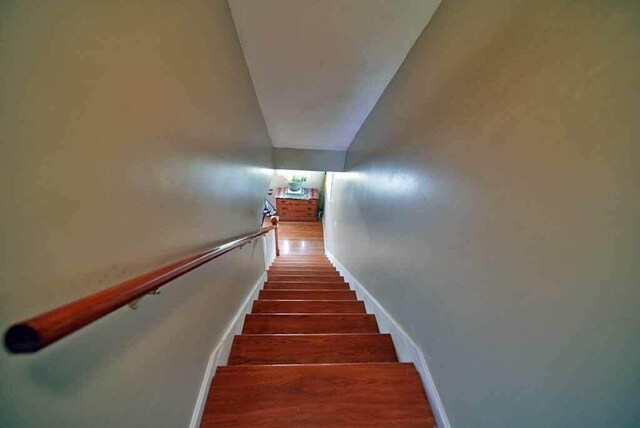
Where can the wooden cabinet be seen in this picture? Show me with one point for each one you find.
(297, 208)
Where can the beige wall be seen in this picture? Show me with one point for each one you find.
(491, 205)
(315, 179)
(309, 160)
(131, 136)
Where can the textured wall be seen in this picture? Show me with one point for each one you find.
(491, 204)
(131, 136)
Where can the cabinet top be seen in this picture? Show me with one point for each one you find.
(305, 194)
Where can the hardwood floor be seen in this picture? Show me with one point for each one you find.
(310, 356)
(301, 238)
(307, 295)
(317, 395)
(312, 349)
(309, 323)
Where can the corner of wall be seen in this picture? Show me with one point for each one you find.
(406, 348)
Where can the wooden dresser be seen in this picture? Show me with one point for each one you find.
(296, 207)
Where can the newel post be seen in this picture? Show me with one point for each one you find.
(274, 221)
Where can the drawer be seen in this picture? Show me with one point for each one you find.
(298, 217)
(297, 209)
(300, 202)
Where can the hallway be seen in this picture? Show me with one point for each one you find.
(310, 355)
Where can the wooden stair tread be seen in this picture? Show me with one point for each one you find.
(308, 306)
(309, 323)
(301, 285)
(289, 271)
(303, 268)
(354, 395)
(299, 277)
(305, 273)
(307, 295)
(312, 349)
(302, 257)
(302, 264)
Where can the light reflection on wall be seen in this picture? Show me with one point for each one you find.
(392, 184)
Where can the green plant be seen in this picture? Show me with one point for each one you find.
(298, 179)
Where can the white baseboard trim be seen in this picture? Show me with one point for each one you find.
(406, 348)
(269, 248)
(220, 354)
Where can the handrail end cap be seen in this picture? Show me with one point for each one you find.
(22, 339)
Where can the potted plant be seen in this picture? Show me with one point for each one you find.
(295, 183)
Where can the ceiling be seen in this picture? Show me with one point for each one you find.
(319, 66)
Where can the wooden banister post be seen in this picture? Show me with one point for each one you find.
(274, 221)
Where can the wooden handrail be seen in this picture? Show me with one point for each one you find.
(44, 329)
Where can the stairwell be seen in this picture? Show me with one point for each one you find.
(310, 355)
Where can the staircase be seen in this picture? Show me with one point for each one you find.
(309, 355)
